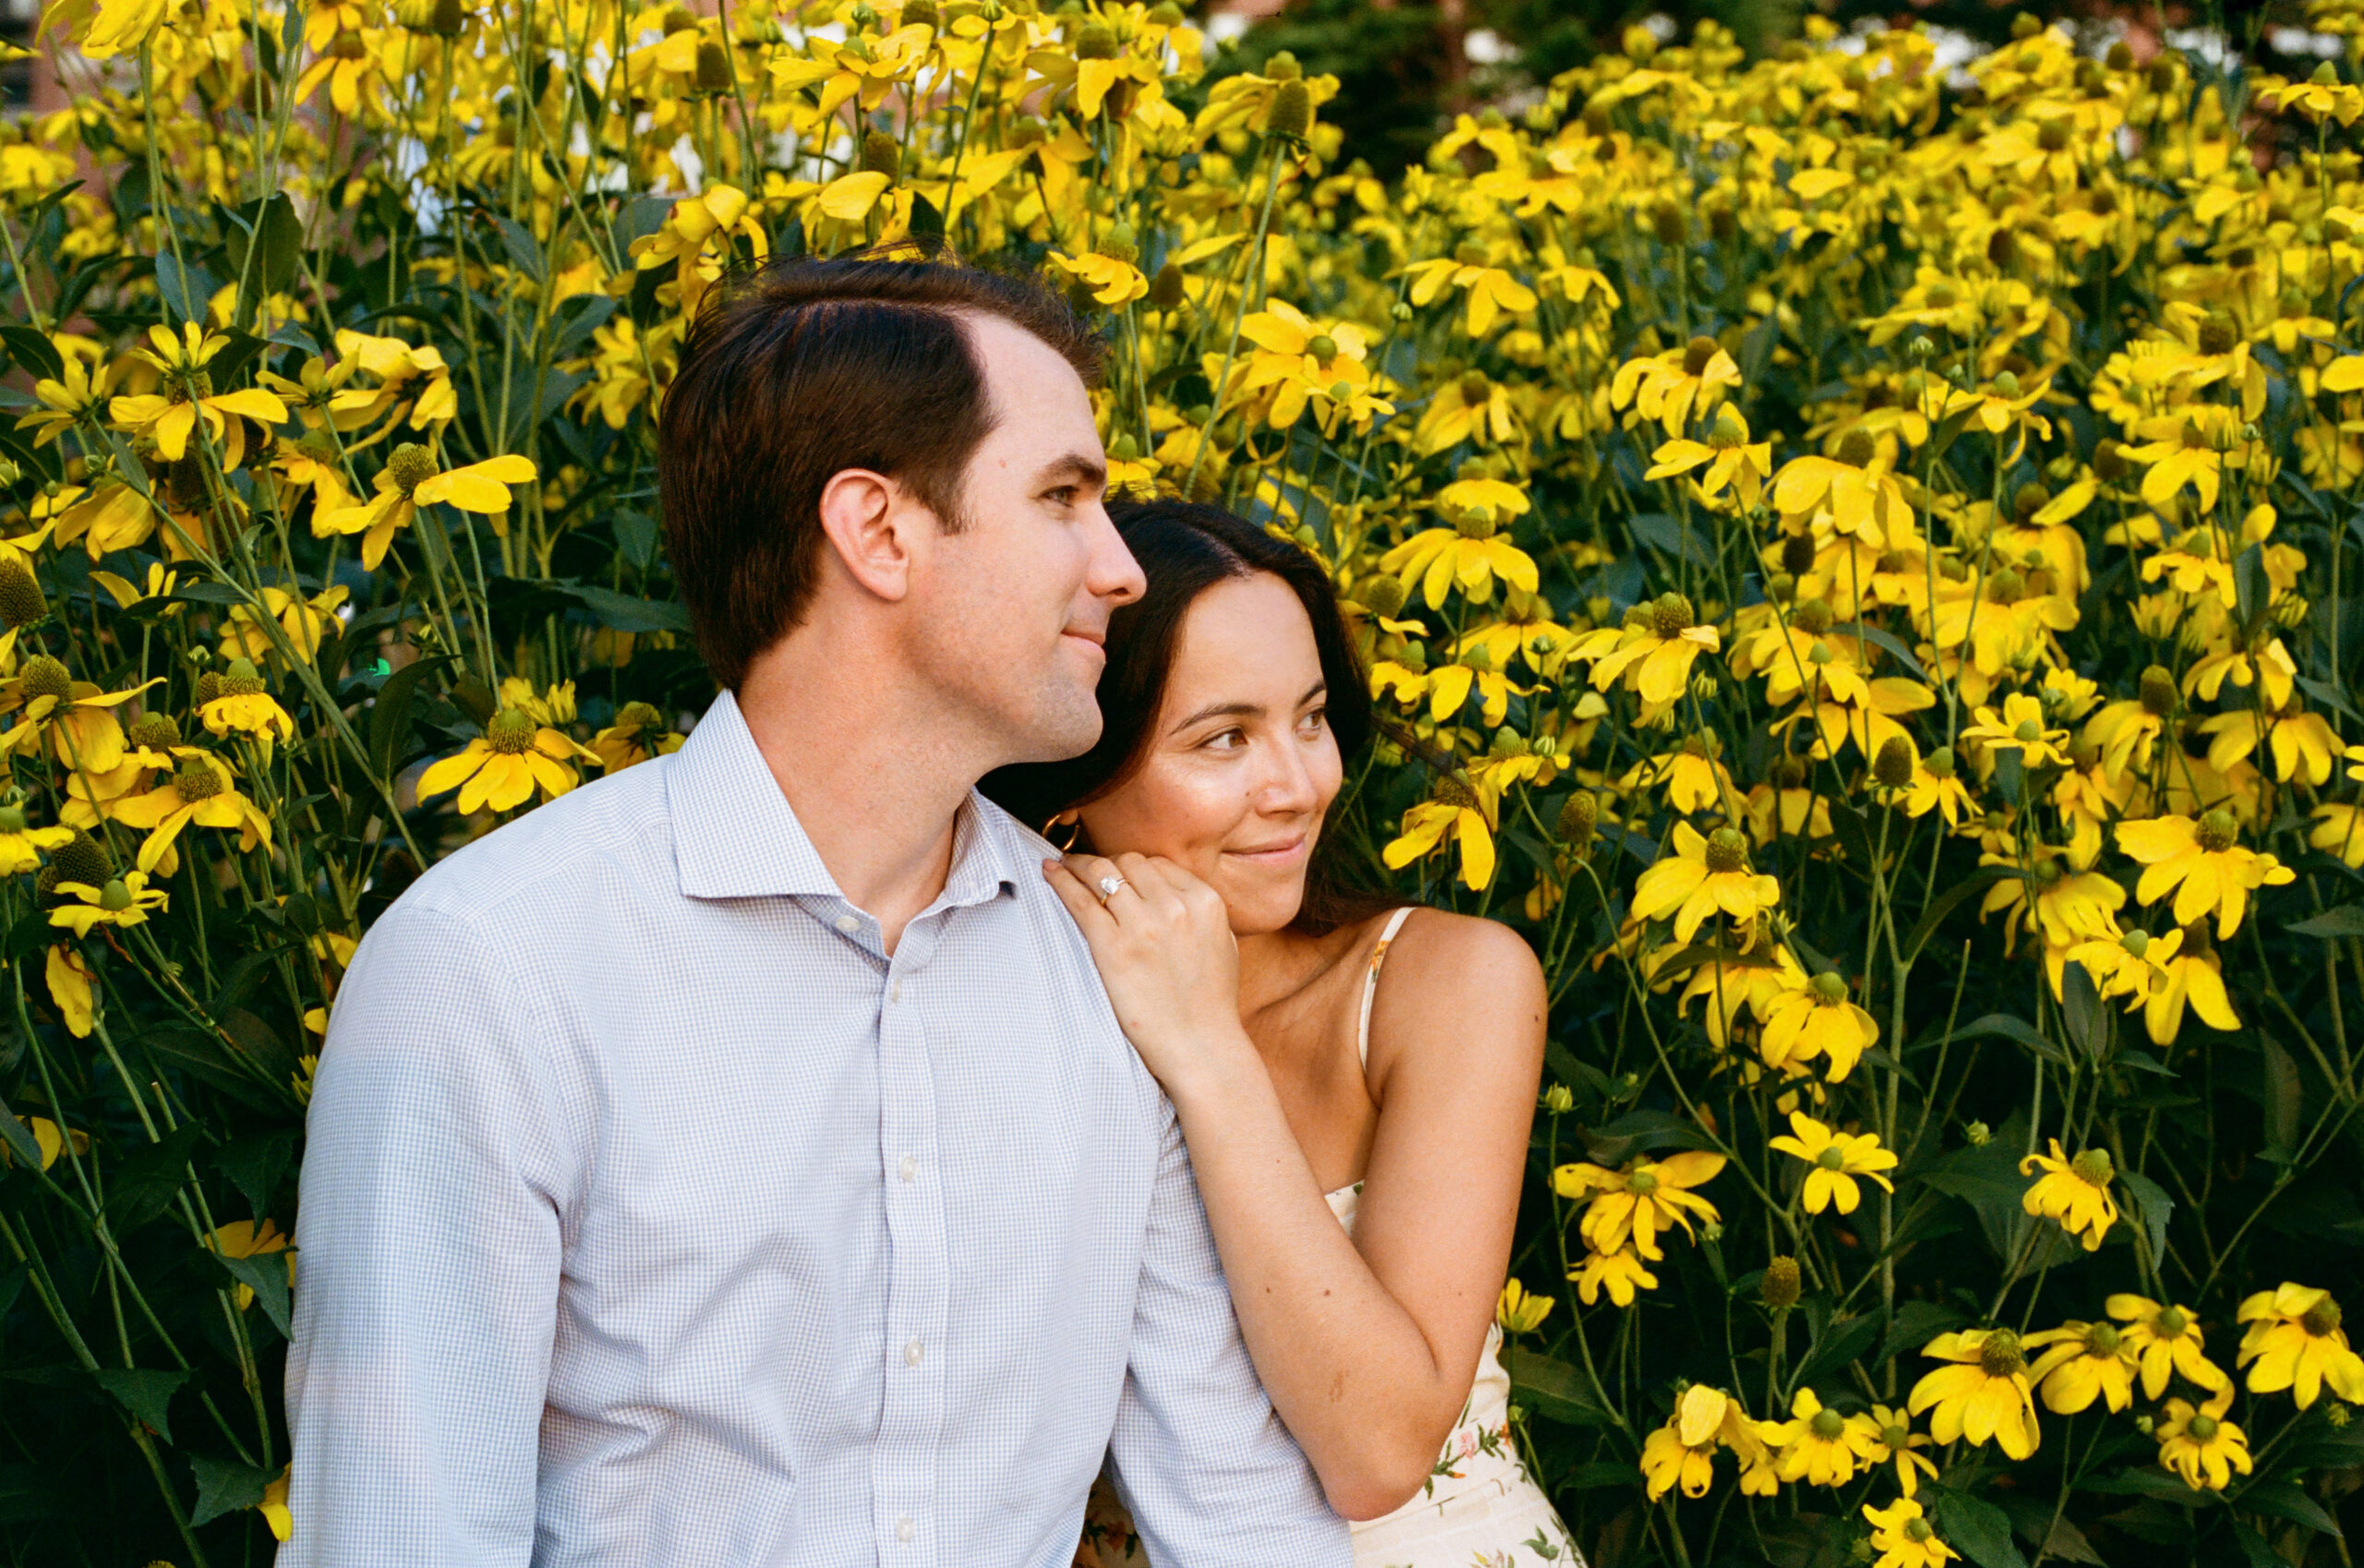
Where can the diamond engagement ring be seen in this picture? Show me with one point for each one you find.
(1108, 886)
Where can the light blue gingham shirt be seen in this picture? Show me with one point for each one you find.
(653, 1215)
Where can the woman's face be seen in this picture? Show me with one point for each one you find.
(1241, 764)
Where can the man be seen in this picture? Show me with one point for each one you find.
(736, 1161)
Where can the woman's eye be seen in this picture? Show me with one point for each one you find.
(1313, 723)
(1227, 741)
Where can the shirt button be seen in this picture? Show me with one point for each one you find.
(909, 1169)
(894, 991)
(912, 1353)
(905, 1529)
(847, 923)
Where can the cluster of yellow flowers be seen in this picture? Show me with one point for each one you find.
(1830, 536)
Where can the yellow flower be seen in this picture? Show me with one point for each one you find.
(411, 480)
(84, 734)
(2022, 728)
(1818, 1444)
(1113, 282)
(1653, 651)
(1818, 1018)
(2339, 830)
(1491, 292)
(1673, 387)
(305, 623)
(124, 900)
(75, 396)
(1682, 1452)
(1468, 554)
(20, 844)
(1619, 1274)
(2075, 1192)
(1983, 1396)
(1903, 1538)
(1458, 813)
(274, 1506)
(1520, 1310)
(245, 1239)
(1897, 1443)
(2203, 862)
(168, 418)
(1729, 458)
(48, 1139)
(638, 734)
(1835, 1160)
(505, 767)
(2200, 1445)
(2164, 1339)
(1640, 1198)
(246, 707)
(2083, 1362)
(70, 988)
(202, 791)
(2295, 1341)
(1701, 877)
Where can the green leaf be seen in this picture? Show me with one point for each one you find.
(266, 1275)
(1977, 1530)
(186, 290)
(146, 1395)
(19, 1139)
(2286, 1499)
(255, 1164)
(2252, 589)
(31, 348)
(2348, 920)
(1887, 644)
(2284, 1097)
(525, 250)
(390, 715)
(2151, 1207)
(1838, 1344)
(1636, 1131)
(143, 1182)
(1915, 1325)
(1947, 901)
(2012, 1028)
(1552, 1387)
(2253, 1548)
(624, 613)
(225, 1486)
(2082, 1007)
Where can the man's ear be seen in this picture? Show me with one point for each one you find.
(867, 518)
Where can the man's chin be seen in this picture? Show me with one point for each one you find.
(1063, 729)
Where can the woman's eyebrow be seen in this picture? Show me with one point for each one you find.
(1218, 710)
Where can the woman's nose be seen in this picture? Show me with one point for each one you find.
(1287, 782)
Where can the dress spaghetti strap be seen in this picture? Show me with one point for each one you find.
(1370, 980)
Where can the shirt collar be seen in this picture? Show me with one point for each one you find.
(736, 836)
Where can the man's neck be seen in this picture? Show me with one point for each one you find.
(872, 777)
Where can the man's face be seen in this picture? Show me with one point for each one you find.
(1013, 609)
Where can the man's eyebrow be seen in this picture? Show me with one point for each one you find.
(1075, 466)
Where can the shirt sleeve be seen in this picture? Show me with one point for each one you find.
(1212, 1476)
(428, 1246)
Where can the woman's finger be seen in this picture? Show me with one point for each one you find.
(1092, 872)
(1092, 917)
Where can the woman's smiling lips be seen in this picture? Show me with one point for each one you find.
(1273, 854)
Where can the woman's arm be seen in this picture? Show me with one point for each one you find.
(1367, 1354)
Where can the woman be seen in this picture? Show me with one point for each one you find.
(1358, 1132)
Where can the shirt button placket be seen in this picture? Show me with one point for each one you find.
(903, 1465)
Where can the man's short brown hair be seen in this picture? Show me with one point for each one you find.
(799, 371)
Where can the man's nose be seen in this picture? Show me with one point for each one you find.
(1112, 574)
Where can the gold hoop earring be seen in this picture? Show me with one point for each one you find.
(1074, 832)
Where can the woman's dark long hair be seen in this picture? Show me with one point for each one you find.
(1184, 549)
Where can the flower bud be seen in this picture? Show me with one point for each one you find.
(410, 466)
(880, 153)
(1781, 1284)
(1384, 597)
(22, 600)
(1292, 112)
(1166, 289)
(1856, 448)
(1977, 1134)
(712, 73)
(1558, 1100)
(1893, 766)
(1579, 819)
(1283, 67)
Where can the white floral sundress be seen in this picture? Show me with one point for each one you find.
(1480, 1508)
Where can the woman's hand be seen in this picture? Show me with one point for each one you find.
(1164, 945)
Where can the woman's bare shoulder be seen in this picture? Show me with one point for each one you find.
(1462, 983)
